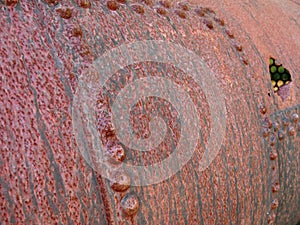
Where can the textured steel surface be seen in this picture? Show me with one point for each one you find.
(46, 45)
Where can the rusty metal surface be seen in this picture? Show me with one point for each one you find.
(46, 47)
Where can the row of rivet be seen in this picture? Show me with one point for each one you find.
(287, 124)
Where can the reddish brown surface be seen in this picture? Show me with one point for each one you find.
(45, 47)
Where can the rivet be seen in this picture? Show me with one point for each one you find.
(292, 131)
(275, 187)
(161, 11)
(11, 3)
(272, 140)
(263, 109)
(265, 132)
(273, 155)
(181, 13)
(120, 181)
(208, 23)
(229, 33)
(285, 121)
(138, 8)
(112, 5)
(280, 134)
(295, 117)
(165, 3)
(129, 204)
(276, 126)
(274, 204)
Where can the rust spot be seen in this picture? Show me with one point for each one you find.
(181, 13)
(200, 12)
(273, 155)
(265, 132)
(273, 168)
(272, 140)
(112, 5)
(238, 47)
(11, 3)
(275, 187)
(85, 4)
(165, 4)
(268, 123)
(208, 23)
(161, 11)
(148, 2)
(244, 60)
(77, 31)
(229, 34)
(184, 6)
(219, 21)
(209, 10)
(274, 204)
(138, 9)
(65, 13)
(263, 109)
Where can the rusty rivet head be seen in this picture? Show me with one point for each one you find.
(184, 6)
(161, 11)
(229, 34)
(281, 135)
(276, 126)
(180, 13)
(208, 23)
(262, 108)
(285, 121)
(239, 48)
(273, 155)
(219, 21)
(138, 9)
(265, 132)
(165, 3)
(112, 5)
(292, 131)
(275, 187)
(244, 60)
(274, 204)
(268, 123)
(295, 117)
(272, 140)
(11, 3)
(148, 2)
(129, 204)
(120, 181)
(200, 12)
(65, 13)
(85, 4)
